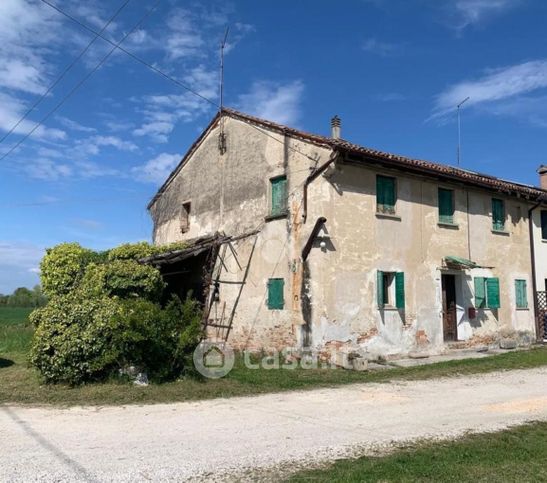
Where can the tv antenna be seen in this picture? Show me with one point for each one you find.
(222, 46)
(459, 128)
(222, 136)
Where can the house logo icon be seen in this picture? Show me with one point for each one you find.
(213, 359)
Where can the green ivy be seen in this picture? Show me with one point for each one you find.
(104, 313)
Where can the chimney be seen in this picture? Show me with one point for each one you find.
(335, 123)
(543, 176)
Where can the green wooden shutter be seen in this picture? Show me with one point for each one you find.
(279, 195)
(521, 296)
(400, 290)
(385, 194)
(480, 294)
(446, 206)
(493, 293)
(380, 289)
(498, 214)
(275, 293)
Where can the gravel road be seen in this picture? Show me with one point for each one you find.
(245, 437)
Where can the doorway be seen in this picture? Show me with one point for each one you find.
(450, 314)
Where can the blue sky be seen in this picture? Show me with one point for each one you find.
(393, 70)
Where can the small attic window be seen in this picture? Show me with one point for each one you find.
(185, 217)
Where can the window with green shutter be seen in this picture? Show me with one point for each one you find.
(521, 296)
(390, 289)
(279, 195)
(480, 293)
(544, 224)
(400, 290)
(498, 214)
(386, 195)
(446, 206)
(487, 293)
(275, 293)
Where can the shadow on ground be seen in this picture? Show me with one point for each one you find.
(5, 363)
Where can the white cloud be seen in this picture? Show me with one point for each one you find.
(378, 47)
(162, 112)
(158, 169)
(184, 39)
(472, 12)
(495, 85)
(272, 101)
(75, 126)
(18, 264)
(47, 170)
(12, 109)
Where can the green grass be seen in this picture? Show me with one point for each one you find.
(516, 454)
(15, 329)
(20, 384)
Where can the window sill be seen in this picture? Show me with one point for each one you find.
(544, 241)
(277, 216)
(501, 232)
(453, 226)
(523, 308)
(388, 216)
(389, 308)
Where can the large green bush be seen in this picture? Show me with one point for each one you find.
(104, 314)
(85, 339)
(63, 267)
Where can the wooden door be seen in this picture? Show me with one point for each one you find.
(449, 308)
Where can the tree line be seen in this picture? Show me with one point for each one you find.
(24, 297)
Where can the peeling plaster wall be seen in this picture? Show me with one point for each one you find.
(359, 243)
(231, 193)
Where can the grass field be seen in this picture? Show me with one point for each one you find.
(20, 383)
(516, 454)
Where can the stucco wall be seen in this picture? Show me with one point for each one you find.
(359, 243)
(231, 193)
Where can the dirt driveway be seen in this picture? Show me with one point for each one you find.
(233, 437)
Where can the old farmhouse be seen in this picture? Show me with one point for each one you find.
(306, 241)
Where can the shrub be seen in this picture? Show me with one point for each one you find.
(63, 267)
(85, 339)
(123, 278)
(131, 251)
(74, 339)
(103, 314)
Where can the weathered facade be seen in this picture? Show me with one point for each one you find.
(328, 245)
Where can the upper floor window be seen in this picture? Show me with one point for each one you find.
(185, 217)
(446, 206)
(386, 194)
(498, 214)
(279, 195)
(544, 224)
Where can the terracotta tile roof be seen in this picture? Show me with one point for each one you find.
(398, 161)
(368, 155)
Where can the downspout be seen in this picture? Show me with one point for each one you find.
(305, 301)
(533, 255)
(311, 177)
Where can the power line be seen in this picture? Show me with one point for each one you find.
(130, 54)
(65, 71)
(158, 71)
(79, 84)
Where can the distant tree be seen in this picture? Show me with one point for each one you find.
(24, 297)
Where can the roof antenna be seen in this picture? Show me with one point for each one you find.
(459, 129)
(222, 135)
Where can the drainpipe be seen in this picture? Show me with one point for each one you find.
(533, 255)
(311, 177)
